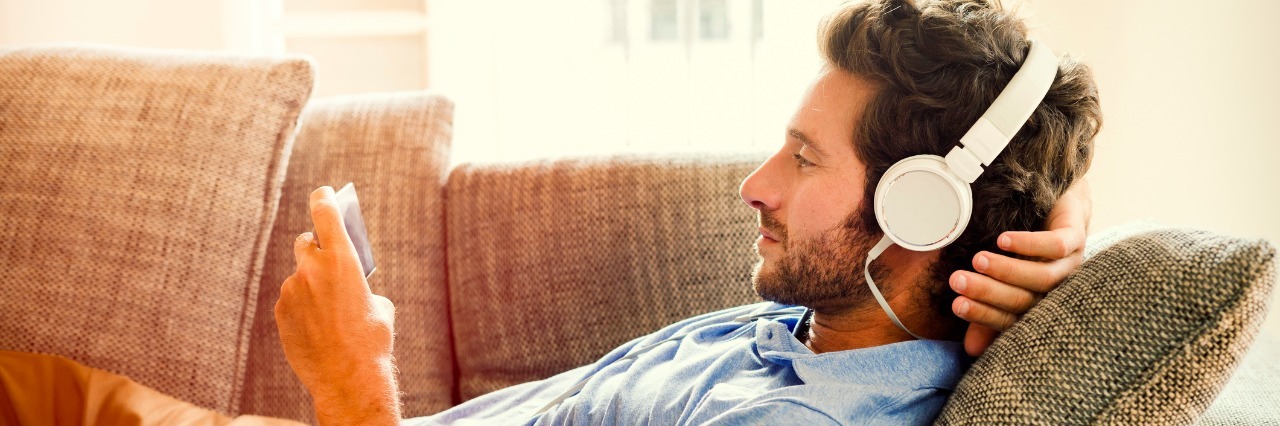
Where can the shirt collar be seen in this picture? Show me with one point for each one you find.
(911, 364)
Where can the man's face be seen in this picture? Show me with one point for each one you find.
(812, 245)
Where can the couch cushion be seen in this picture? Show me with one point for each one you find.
(1148, 330)
(138, 191)
(551, 264)
(395, 148)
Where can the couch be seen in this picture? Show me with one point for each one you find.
(150, 199)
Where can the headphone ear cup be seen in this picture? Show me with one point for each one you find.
(921, 204)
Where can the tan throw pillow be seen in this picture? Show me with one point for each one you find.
(1147, 331)
(137, 195)
(553, 264)
(395, 148)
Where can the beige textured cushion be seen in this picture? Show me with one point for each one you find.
(1148, 331)
(551, 264)
(395, 147)
(138, 191)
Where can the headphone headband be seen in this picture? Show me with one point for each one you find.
(989, 136)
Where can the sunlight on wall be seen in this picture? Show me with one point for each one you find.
(534, 79)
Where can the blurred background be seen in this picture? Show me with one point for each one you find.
(1188, 87)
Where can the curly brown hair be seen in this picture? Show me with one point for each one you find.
(936, 67)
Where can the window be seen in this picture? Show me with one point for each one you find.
(713, 19)
(572, 77)
(664, 20)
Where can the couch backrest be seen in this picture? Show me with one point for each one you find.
(138, 191)
(551, 264)
(395, 148)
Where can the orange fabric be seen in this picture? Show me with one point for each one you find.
(51, 390)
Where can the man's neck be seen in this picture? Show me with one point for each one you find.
(867, 325)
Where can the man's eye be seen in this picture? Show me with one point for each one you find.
(801, 161)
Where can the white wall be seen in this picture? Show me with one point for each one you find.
(1190, 98)
(148, 23)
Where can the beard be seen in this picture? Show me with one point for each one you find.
(825, 272)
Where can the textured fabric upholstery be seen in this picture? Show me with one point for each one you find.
(138, 192)
(1148, 331)
(551, 264)
(1253, 394)
(395, 148)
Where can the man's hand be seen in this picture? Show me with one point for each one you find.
(337, 335)
(1004, 287)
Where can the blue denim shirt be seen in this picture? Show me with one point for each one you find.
(728, 371)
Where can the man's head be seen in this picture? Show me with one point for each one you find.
(904, 80)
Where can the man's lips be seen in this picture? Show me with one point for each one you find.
(768, 235)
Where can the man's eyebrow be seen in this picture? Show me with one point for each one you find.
(796, 133)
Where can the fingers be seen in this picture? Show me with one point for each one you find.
(981, 313)
(288, 290)
(1038, 277)
(1055, 244)
(385, 309)
(1003, 296)
(978, 338)
(305, 243)
(328, 220)
(385, 312)
(1011, 286)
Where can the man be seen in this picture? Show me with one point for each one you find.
(900, 80)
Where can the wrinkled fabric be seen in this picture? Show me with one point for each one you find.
(725, 371)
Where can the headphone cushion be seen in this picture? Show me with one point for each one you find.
(921, 204)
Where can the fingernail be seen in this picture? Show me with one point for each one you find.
(964, 308)
(960, 284)
(981, 263)
(1004, 242)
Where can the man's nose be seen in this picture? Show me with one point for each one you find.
(757, 191)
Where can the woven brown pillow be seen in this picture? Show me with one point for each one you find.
(583, 255)
(1253, 394)
(137, 195)
(1148, 331)
(395, 148)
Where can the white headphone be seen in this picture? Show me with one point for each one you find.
(924, 202)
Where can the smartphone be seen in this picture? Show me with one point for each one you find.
(349, 208)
